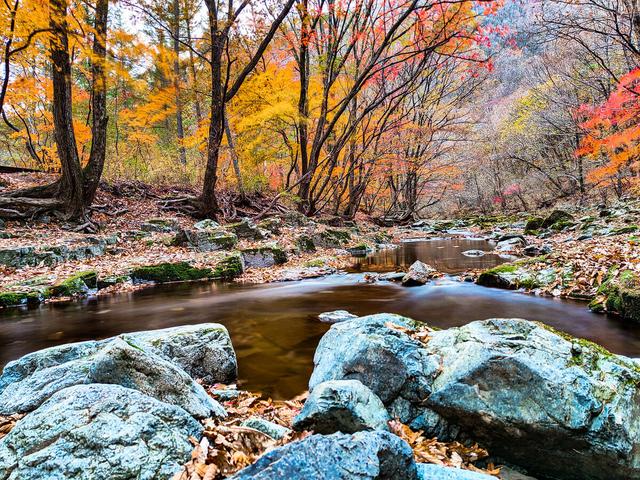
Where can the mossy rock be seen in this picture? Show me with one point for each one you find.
(304, 243)
(621, 293)
(246, 229)
(533, 225)
(271, 224)
(16, 299)
(332, 238)
(229, 268)
(624, 230)
(513, 276)
(557, 216)
(205, 240)
(263, 257)
(111, 280)
(78, 284)
(170, 272)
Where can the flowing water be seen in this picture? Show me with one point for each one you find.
(274, 327)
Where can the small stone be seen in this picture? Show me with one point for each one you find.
(336, 316)
(391, 277)
(342, 406)
(419, 273)
(431, 471)
(271, 429)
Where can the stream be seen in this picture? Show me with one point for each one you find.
(274, 327)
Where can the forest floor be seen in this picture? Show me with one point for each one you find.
(572, 257)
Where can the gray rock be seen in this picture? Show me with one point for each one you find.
(204, 350)
(510, 244)
(331, 238)
(263, 257)
(206, 240)
(247, 229)
(345, 406)
(120, 361)
(274, 430)
(206, 224)
(336, 316)
(419, 273)
(51, 255)
(98, 432)
(520, 389)
(430, 471)
(161, 225)
(361, 456)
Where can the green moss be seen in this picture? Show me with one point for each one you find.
(304, 243)
(77, 284)
(318, 262)
(622, 294)
(533, 225)
(562, 225)
(170, 272)
(14, 299)
(625, 229)
(111, 281)
(504, 268)
(229, 268)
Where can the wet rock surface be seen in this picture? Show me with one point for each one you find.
(361, 456)
(521, 389)
(98, 431)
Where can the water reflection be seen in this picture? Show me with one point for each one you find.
(274, 327)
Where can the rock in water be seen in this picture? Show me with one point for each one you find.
(558, 406)
(473, 253)
(98, 432)
(362, 456)
(345, 406)
(336, 316)
(418, 274)
(28, 382)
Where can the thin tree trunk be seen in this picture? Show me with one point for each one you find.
(95, 166)
(176, 81)
(234, 154)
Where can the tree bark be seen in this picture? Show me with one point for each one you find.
(95, 166)
(71, 189)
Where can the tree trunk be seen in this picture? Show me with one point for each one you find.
(176, 81)
(95, 166)
(71, 189)
(234, 154)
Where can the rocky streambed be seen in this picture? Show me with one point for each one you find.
(126, 407)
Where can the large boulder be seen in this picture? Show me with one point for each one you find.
(157, 363)
(98, 432)
(419, 273)
(521, 389)
(118, 362)
(361, 456)
(345, 406)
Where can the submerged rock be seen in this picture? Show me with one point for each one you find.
(154, 362)
(336, 316)
(419, 273)
(345, 406)
(519, 388)
(473, 253)
(98, 432)
(362, 456)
